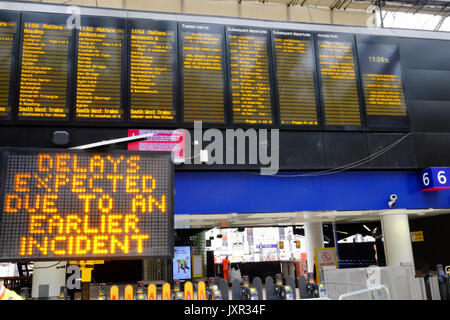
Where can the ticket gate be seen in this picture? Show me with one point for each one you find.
(188, 291)
(102, 291)
(201, 291)
(245, 292)
(177, 293)
(114, 293)
(129, 292)
(151, 292)
(166, 293)
(308, 288)
(278, 290)
(140, 291)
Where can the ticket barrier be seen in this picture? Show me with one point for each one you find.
(102, 291)
(201, 291)
(309, 289)
(278, 290)
(443, 280)
(177, 293)
(140, 291)
(188, 291)
(215, 289)
(246, 291)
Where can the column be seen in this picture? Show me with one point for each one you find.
(314, 239)
(397, 239)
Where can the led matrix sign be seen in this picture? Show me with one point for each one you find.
(203, 73)
(295, 74)
(339, 78)
(77, 205)
(152, 71)
(99, 73)
(44, 69)
(250, 76)
(8, 29)
(382, 83)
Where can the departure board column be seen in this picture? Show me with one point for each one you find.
(203, 73)
(339, 80)
(152, 72)
(7, 36)
(294, 59)
(44, 71)
(250, 76)
(382, 82)
(99, 73)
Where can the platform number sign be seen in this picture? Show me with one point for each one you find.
(433, 179)
(77, 205)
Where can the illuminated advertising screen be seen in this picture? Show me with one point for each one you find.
(295, 75)
(44, 67)
(152, 71)
(66, 205)
(8, 39)
(382, 82)
(100, 64)
(339, 80)
(250, 76)
(202, 70)
(182, 263)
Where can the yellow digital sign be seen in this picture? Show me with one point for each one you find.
(339, 79)
(151, 74)
(99, 73)
(203, 73)
(7, 33)
(250, 77)
(294, 53)
(44, 71)
(73, 205)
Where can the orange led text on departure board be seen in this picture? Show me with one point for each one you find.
(99, 73)
(250, 78)
(151, 74)
(339, 82)
(295, 74)
(7, 32)
(203, 78)
(85, 205)
(44, 67)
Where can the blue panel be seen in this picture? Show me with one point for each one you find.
(242, 192)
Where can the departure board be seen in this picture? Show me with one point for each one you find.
(295, 78)
(251, 92)
(44, 67)
(100, 62)
(381, 76)
(203, 76)
(338, 76)
(8, 36)
(152, 71)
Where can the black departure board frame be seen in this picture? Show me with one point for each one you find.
(103, 22)
(158, 25)
(378, 53)
(11, 16)
(25, 164)
(347, 38)
(30, 17)
(265, 32)
(205, 28)
(296, 35)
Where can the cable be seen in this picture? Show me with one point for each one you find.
(54, 265)
(346, 166)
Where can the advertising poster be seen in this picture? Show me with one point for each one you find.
(182, 263)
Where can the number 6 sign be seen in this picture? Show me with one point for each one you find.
(433, 179)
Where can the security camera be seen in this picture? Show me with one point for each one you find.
(393, 201)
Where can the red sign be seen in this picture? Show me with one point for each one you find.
(161, 140)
